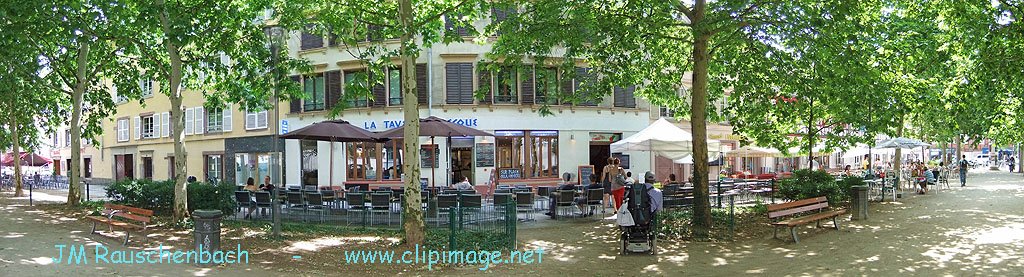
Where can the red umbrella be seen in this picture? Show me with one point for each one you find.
(27, 159)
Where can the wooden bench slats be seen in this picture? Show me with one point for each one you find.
(797, 203)
(797, 210)
(139, 218)
(114, 223)
(134, 210)
(810, 218)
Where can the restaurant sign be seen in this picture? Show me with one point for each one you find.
(608, 137)
(391, 124)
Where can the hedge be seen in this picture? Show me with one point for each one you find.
(159, 195)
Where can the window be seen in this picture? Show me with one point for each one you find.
(534, 152)
(394, 87)
(170, 167)
(214, 168)
(393, 155)
(146, 86)
(255, 120)
(459, 83)
(149, 127)
(505, 89)
(67, 138)
(147, 168)
(356, 79)
(309, 162)
(55, 138)
(118, 99)
(122, 130)
(215, 121)
(310, 40)
(666, 112)
(450, 25)
(314, 87)
(361, 158)
(624, 97)
(546, 86)
(584, 78)
(87, 167)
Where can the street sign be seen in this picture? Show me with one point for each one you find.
(284, 126)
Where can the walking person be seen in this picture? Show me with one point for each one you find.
(1013, 163)
(963, 170)
(607, 173)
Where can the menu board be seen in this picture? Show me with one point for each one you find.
(584, 174)
(485, 154)
(510, 173)
(425, 157)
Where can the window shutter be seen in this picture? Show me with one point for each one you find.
(250, 121)
(333, 88)
(619, 97)
(166, 121)
(583, 76)
(566, 88)
(484, 82)
(630, 97)
(261, 119)
(380, 96)
(227, 125)
(138, 127)
(422, 89)
(189, 120)
(374, 32)
(449, 25)
(296, 104)
(466, 83)
(200, 118)
(526, 87)
(451, 83)
(157, 121)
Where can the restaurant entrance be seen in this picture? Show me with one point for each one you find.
(462, 159)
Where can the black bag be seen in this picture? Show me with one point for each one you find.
(640, 203)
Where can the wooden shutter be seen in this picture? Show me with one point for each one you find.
(583, 76)
(422, 93)
(449, 25)
(380, 95)
(333, 88)
(466, 83)
(623, 97)
(526, 87)
(166, 128)
(227, 117)
(451, 83)
(484, 82)
(566, 88)
(374, 32)
(189, 120)
(296, 104)
(138, 127)
(200, 118)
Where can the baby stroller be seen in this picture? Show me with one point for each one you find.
(641, 237)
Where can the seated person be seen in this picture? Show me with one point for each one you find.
(581, 201)
(929, 178)
(250, 184)
(657, 198)
(464, 185)
(554, 196)
(267, 186)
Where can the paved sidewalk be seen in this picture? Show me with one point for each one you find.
(27, 241)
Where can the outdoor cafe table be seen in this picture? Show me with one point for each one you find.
(878, 184)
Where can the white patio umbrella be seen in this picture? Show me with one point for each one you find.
(662, 138)
(905, 143)
(819, 150)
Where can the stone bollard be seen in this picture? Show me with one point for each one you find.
(206, 233)
(859, 202)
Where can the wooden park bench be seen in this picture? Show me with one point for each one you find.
(125, 217)
(806, 211)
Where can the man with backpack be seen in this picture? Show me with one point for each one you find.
(963, 170)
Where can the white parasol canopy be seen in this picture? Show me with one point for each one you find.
(799, 150)
(662, 138)
(905, 143)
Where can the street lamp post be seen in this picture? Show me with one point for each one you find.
(275, 32)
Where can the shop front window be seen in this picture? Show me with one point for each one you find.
(362, 160)
(394, 156)
(310, 171)
(534, 152)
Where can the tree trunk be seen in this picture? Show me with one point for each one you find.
(959, 147)
(898, 161)
(415, 231)
(698, 116)
(174, 94)
(74, 178)
(16, 152)
(811, 131)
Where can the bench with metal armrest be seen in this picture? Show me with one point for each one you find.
(126, 218)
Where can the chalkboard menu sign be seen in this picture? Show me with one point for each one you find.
(510, 173)
(484, 154)
(425, 157)
(584, 174)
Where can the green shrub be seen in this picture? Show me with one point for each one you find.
(159, 195)
(809, 184)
